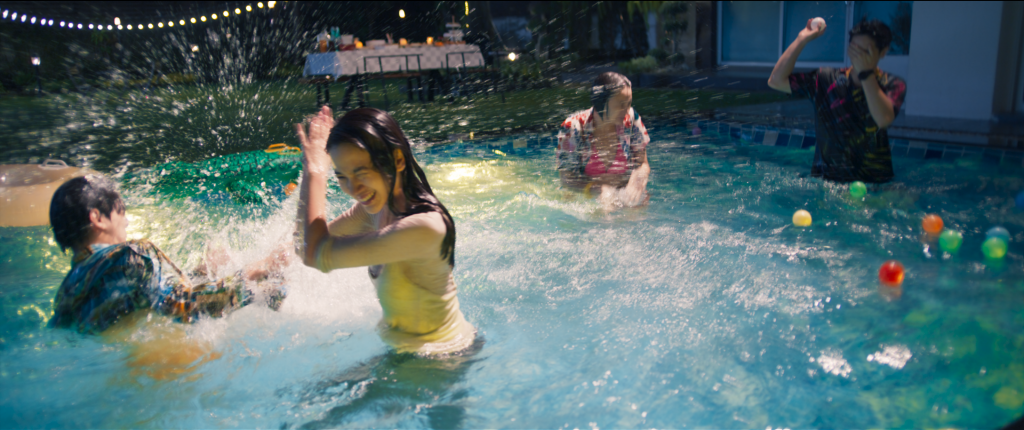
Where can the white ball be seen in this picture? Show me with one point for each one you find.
(817, 23)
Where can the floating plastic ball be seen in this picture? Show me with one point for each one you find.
(290, 188)
(999, 232)
(950, 240)
(1020, 200)
(932, 224)
(994, 247)
(891, 273)
(858, 189)
(802, 218)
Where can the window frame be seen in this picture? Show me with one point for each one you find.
(783, 44)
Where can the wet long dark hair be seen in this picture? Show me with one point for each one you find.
(378, 133)
(607, 85)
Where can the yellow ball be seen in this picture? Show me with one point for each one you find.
(802, 218)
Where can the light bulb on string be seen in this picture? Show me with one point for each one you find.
(120, 27)
(401, 13)
(14, 16)
(110, 27)
(214, 16)
(248, 8)
(181, 22)
(238, 11)
(129, 26)
(23, 17)
(150, 26)
(79, 26)
(170, 23)
(5, 13)
(226, 13)
(117, 21)
(33, 20)
(50, 23)
(271, 4)
(90, 26)
(203, 18)
(259, 5)
(193, 20)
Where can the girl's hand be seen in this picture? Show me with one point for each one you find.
(314, 141)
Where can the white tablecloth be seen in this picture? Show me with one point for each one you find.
(347, 63)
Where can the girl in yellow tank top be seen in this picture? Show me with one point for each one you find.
(397, 227)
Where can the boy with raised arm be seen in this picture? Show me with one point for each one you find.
(853, 106)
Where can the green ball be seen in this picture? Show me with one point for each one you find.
(858, 189)
(950, 240)
(994, 247)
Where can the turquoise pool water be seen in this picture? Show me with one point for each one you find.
(706, 309)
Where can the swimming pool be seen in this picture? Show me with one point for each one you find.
(705, 309)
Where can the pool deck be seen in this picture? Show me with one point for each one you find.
(799, 114)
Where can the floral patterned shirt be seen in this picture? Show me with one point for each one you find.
(576, 135)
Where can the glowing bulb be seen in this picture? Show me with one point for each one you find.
(110, 27)
(203, 18)
(129, 26)
(120, 27)
(23, 17)
(62, 24)
(195, 48)
(79, 26)
(271, 4)
(226, 13)
(181, 22)
(259, 5)
(151, 25)
(214, 16)
(160, 24)
(14, 16)
(193, 20)
(467, 8)
(117, 21)
(511, 56)
(238, 11)
(248, 8)
(33, 20)
(35, 61)
(50, 22)
(170, 23)
(401, 13)
(5, 13)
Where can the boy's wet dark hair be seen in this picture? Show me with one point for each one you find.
(605, 86)
(71, 203)
(877, 30)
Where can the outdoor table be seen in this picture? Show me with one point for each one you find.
(407, 61)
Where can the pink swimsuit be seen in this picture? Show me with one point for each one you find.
(596, 167)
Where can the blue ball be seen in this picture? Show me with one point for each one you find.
(1020, 200)
(999, 232)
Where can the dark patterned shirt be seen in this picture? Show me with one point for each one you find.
(851, 146)
(116, 280)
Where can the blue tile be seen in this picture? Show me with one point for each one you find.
(932, 154)
(723, 129)
(783, 139)
(796, 141)
(810, 141)
(951, 154)
(759, 136)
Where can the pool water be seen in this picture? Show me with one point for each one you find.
(706, 309)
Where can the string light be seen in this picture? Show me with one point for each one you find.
(33, 20)
(194, 20)
(170, 23)
(248, 8)
(117, 21)
(203, 18)
(214, 16)
(110, 27)
(5, 13)
(90, 26)
(120, 27)
(259, 5)
(129, 26)
(13, 15)
(271, 4)
(79, 26)
(238, 11)
(401, 13)
(226, 13)
(181, 22)
(151, 25)
(23, 18)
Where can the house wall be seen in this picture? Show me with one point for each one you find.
(954, 54)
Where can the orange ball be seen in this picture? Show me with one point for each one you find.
(290, 188)
(932, 224)
(891, 273)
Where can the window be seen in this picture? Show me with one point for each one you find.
(831, 46)
(895, 14)
(750, 31)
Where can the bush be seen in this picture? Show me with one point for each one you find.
(639, 65)
(658, 54)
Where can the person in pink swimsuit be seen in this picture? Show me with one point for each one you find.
(602, 151)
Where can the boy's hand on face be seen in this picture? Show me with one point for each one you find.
(863, 59)
(810, 33)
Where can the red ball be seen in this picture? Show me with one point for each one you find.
(891, 273)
